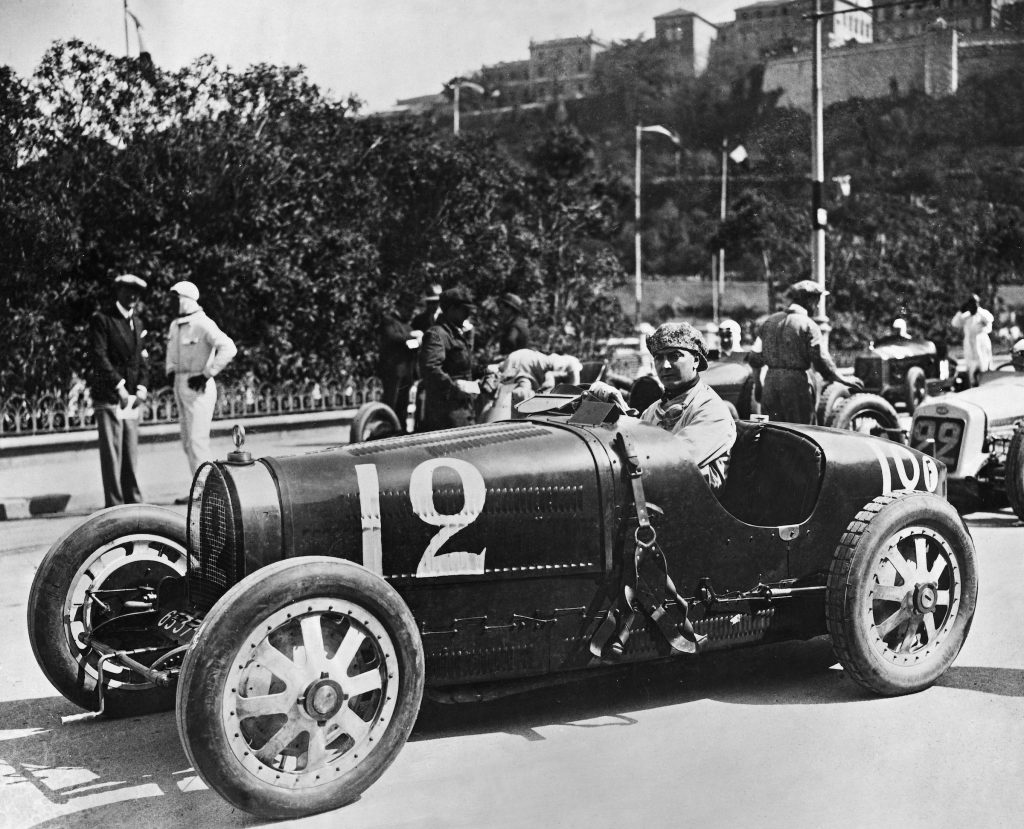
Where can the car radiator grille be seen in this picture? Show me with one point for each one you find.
(217, 559)
(869, 369)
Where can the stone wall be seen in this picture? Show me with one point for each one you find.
(927, 64)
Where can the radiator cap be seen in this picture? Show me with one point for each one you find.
(239, 456)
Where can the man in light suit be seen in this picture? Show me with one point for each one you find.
(197, 351)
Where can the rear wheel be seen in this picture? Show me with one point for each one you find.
(301, 687)
(901, 592)
(915, 388)
(373, 421)
(101, 578)
(868, 413)
(1015, 473)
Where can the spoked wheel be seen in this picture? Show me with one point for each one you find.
(1015, 473)
(302, 686)
(901, 592)
(871, 414)
(374, 421)
(101, 579)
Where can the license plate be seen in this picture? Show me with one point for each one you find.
(944, 434)
(179, 626)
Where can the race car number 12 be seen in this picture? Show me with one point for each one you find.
(421, 496)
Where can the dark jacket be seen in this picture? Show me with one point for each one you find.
(116, 354)
(445, 357)
(515, 334)
(396, 358)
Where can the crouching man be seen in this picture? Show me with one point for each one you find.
(689, 407)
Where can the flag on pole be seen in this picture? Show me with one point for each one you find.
(663, 131)
(739, 154)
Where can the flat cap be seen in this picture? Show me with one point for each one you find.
(459, 295)
(130, 280)
(670, 335)
(807, 286)
(513, 301)
(186, 289)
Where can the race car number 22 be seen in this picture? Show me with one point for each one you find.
(421, 496)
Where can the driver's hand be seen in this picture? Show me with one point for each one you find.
(855, 383)
(607, 394)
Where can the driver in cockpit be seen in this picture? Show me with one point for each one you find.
(689, 407)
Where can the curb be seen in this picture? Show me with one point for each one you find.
(11, 508)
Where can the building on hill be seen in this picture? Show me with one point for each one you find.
(912, 19)
(774, 26)
(563, 68)
(689, 37)
(511, 79)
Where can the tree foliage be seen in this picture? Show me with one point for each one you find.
(301, 221)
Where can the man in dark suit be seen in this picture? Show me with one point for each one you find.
(118, 386)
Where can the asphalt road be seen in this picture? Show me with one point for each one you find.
(775, 736)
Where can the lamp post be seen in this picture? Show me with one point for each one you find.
(455, 84)
(738, 155)
(640, 130)
(819, 215)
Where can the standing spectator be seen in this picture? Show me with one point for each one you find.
(976, 324)
(446, 365)
(515, 328)
(396, 364)
(790, 344)
(118, 386)
(197, 351)
(431, 311)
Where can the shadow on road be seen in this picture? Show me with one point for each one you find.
(134, 771)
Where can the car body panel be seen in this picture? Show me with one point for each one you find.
(505, 539)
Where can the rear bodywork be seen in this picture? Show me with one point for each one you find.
(506, 540)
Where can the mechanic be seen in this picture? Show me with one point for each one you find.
(790, 343)
(446, 364)
(689, 407)
(515, 328)
(528, 371)
(976, 323)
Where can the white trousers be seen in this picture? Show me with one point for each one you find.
(195, 416)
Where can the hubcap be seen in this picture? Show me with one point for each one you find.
(915, 596)
(310, 693)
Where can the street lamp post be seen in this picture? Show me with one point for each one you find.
(819, 217)
(456, 84)
(639, 166)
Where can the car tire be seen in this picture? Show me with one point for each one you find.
(896, 627)
(869, 413)
(373, 421)
(830, 397)
(119, 547)
(1015, 473)
(915, 388)
(311, 733)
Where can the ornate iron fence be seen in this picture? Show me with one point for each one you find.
(56, 412)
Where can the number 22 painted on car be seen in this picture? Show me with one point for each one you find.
(421, 496)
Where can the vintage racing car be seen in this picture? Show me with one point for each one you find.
(977, 436)
(299, 614)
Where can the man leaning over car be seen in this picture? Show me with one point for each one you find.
(689, 408)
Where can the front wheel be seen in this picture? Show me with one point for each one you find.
(868, 413)
(831, 396)
(901, 592)
(915, 389)
(101, 577)
(301, 687)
